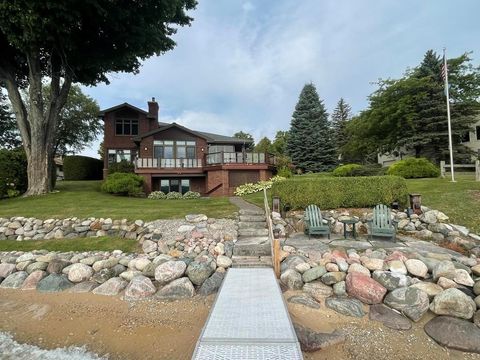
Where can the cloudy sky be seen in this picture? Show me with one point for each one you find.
(242, 64)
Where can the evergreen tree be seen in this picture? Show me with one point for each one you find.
(310, 142)
(340, 118)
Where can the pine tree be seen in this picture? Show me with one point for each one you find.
(340, 118)
(310, 142)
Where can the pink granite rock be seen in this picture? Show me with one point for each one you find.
(32, 280)
(364, 288)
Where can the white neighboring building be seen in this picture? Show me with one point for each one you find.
(471, 140)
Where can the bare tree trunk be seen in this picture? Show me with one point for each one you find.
(38, 125)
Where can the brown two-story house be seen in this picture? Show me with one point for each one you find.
(171, 157)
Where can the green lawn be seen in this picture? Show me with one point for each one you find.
(84, 199)
(79, 244)
(459, 200)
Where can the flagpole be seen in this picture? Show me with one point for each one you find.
(450, 145)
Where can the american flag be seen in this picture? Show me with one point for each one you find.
(444, 68)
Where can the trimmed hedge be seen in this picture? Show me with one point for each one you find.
(123, 166)
(345, 170)
(77, 167)
(339, 192)
(359, 170)
(414, 168)
(13, 172)
(123, 184)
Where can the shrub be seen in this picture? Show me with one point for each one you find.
(13, 172)
(345, 170)
(123, 166)
(123, 184)
(82, 168)
(157, 195)
(191, 195)
(369, 170)
(285, 172)
(251, 188)
(173, 195)
(414, 168)
(338, 192)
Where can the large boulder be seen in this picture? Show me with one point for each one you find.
(431, 289)
(292, 261)
(453, 302)
(6, 269)
(15, 280)
(313, 273)
(389, 317)
(80, 272)
(317, 290)
(139, 288)
(364, 288)
(397, 267)
(198, 272)
(84, 287)
(444, 269)
(57, 265)
(304, 299)
(345, 306)
(331, 278)
(32, 280)
(149, 246)
(312, 341)
(212, 284)
(177, 289)
(54, 283)
(410, 301)
(463, 278)
(416, 268)
(358, 269)
(291, 279)
(454, 333)
(111, 287)
(170, 270)
(389, 280)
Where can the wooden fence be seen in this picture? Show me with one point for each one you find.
(444, 167)
(274, 243)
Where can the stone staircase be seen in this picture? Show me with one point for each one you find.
(252, 248)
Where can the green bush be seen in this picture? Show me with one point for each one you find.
(82, 168)
(13, 172)
(414, 168)
(123, 184)
(174, 195)
(285, 172)
(345, 170)
(123, 166)
(191, 195)
(157, 195)
(338, 192)
(251, 188)
(370, 170)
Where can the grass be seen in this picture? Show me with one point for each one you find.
(103, 243)
(84, 199)
(459, 200)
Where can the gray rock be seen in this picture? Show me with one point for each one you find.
(103, 275)
(292, 261)
(83, 287)
(389, 317)
(444, 269)
(410, 301)
(339, 289)
(453, 302)
(54, 283)
(177, 289)
(170, 270)
(139, 288)
(196, 218)
(313, 273)
(416, 268)
(431, 289)
(228, 245)
(346, 306)
(198, 272)
(291, 279)
(333, 277)
(318, 290)
(313, 341)
(454, 333)
(476, 318)
(56, 266)
(111, 287)
(304, 299)
(39, 265)
(15, 280)
(212, 284)
(224, 261)
(6, 269)
(389, 280)
(79, 272)
(149, 246)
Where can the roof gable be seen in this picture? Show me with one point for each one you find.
(121, 106)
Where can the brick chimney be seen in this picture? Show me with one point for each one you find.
(153, 109)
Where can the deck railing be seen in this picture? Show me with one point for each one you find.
(168, 163)
(224, 157)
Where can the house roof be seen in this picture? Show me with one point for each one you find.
(124, 105)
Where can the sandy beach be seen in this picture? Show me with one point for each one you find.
(110, 327)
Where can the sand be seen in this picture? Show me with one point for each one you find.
(169, 330)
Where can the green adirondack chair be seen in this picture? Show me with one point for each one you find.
(382, 223)
(314, 222)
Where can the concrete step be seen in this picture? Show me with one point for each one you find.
(252, 225)
(251, 261)
(251, 212)
(252, 218)
(253, 232)
(252, 246)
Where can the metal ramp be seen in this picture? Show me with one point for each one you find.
(249, 320)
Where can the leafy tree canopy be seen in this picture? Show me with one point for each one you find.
(264, 145)
(245, 136)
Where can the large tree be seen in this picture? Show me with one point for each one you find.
(245, 136)
(310, 141)
(264, 145)
(64, 42)
(340, 117)
(9, 136)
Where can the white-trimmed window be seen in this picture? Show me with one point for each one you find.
(117, 155)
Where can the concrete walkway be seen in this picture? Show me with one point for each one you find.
(249, 320)
(244, 205)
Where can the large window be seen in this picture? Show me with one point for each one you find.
(116, 155)
(178, 185)
(126, 127)
(169, 149)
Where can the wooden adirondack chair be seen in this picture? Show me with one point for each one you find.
(382, 223)
(314, 222)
